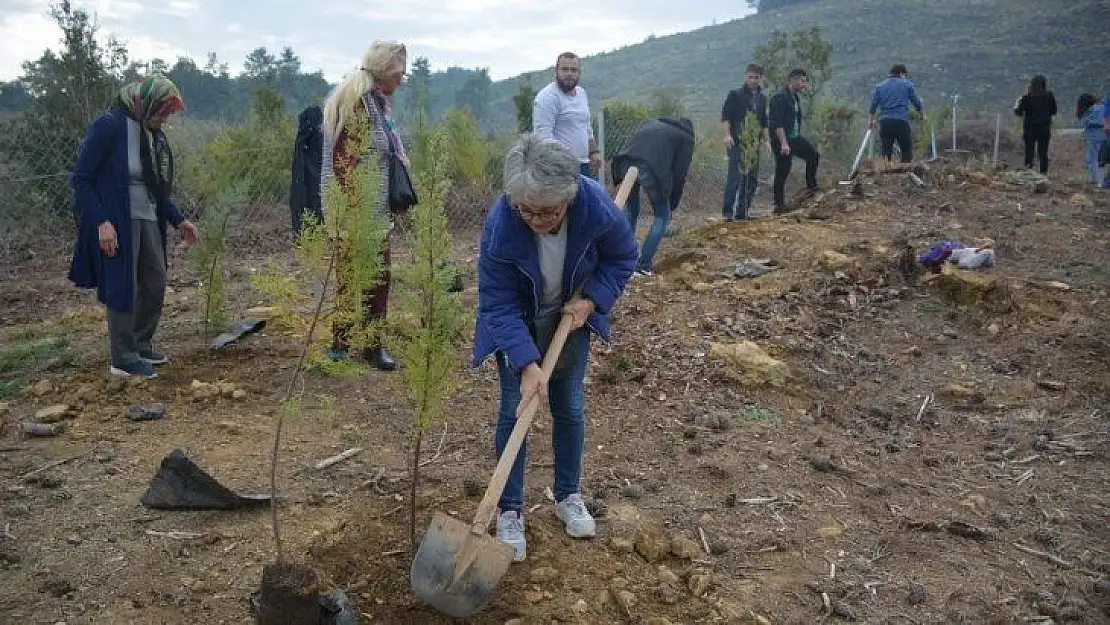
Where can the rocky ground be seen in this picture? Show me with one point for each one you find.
(842, 438)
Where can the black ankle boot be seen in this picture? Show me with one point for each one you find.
(381, 359)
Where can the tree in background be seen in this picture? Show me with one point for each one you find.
(667, 102)
(63, 92)
(771, 5)
(475, 93)
(523, 100)
(804, 48)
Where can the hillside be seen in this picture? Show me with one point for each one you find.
(984, 49)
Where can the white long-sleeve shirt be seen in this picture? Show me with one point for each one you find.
(565, 117)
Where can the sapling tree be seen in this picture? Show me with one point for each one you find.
(210, 255)
(345, 248)
(431, 320)
(749, 142)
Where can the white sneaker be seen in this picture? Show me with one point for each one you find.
(510, 530)
(572, 511)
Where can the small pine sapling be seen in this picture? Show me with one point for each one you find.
(209, 256)
(346, 247)
(749, 143)
(431, 320)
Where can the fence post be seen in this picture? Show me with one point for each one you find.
(955, 106)
(601, 145)
(998, 131)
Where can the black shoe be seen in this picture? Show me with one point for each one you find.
(139, 369)
(381, 359)
(153, 357)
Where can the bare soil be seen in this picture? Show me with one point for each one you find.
(929, 450)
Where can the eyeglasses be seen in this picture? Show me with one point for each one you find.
(548, 214)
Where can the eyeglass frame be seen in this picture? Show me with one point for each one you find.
(546, 216)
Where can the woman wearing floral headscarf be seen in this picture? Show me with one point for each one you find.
(122, 182)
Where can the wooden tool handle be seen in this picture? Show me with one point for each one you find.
(485, 511)
(630, 178)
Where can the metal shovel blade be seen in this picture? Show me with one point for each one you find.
(455, 570)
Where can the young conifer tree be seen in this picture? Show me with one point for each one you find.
(431, 321)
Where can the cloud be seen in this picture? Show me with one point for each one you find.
(507, 36)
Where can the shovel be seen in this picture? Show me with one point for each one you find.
(458, 566)
(859, 157)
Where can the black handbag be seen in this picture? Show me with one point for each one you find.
(401, 193)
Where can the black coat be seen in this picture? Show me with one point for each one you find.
(785, 108)
(308, 149)
(665, 146)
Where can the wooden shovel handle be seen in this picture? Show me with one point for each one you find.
(485, 512)
(486, 508)
(630, 178)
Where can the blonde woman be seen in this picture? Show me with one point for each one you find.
(367, 91)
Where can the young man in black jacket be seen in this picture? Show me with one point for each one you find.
(787, 141)
(740, 187)
(661, 149)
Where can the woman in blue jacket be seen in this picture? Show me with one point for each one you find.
(554, 243)
(122, 183)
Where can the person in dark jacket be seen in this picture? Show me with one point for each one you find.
(1036, 108)
(661, 149)
(308, 154)
(553, 244)
(891, 101)
(740, 187)
(122, 182)
(787, 142)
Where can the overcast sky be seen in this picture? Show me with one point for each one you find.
(508, 36)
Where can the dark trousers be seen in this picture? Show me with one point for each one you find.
(375, 303)
(739, 187)
(131, 332)
(1037, 137)
(800, 147)
(896, 130)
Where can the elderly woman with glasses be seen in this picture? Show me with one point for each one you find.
(554, 243)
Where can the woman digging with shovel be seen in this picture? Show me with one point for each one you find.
(554, 244)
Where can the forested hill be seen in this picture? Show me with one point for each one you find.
(984, 49)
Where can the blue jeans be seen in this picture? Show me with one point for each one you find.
(566, 391)
(739, 187)
(1093, 170)
(660, 208)
(584, 169)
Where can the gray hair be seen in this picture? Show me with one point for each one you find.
(541, 172)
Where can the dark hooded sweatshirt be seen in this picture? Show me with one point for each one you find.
(308, 149)
(665, 146)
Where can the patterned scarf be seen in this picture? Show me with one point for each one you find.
(387, 114)
(153, 98)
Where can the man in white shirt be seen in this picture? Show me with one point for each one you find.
(561, 111)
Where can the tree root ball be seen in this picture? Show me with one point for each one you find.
(289, 595)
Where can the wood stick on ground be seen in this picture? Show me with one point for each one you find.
(758, 501)
(704, 541)
(336, 459)
(50, 465)
(1042, 554)
(389, 512)
(176, 535)
(924, 406)
(395, 552)
(8, 532)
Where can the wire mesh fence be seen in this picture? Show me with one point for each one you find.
(36, 158)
